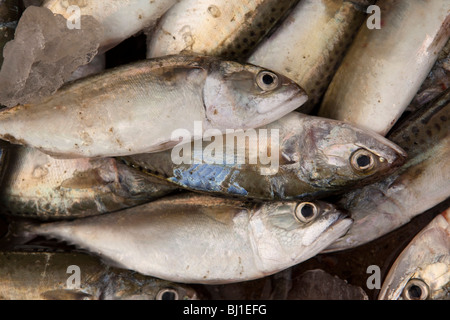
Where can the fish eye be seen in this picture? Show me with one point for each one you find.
(416, 289)
(167, 294)
(267, 80)
(306, 212)
(362, 160)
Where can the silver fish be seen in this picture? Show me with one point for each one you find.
(51, 276)
(308, 157)
(201, 239)
(36, 185)
(136, 108)
(223, 28)
(422, 270)
(420, 184)
(310, 44)
(97, 65)
(120, 18)
(436, 83)
(364, 90)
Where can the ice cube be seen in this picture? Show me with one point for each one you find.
(44, 54)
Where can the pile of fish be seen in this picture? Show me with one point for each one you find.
(251, 138)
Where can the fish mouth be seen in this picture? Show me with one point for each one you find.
(342, 220)
(341, 225)
(281, 109)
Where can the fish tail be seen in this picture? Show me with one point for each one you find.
(20, 231)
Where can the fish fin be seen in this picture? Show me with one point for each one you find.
(137, 180)
(188, 52)
(223, 214)
(65, 294)
(19, 233)
(111, 263)
(285, 160)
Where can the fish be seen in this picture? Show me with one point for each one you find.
(139, 107)
(420, 184)
(192, 238)
(422, 270)
(229, 29)
(305, 157)
(9, 17)
(97, 65)
(120, 19)
(437, 81)
(52, 276)
(363, 90)
(310, 44)
(35, 185)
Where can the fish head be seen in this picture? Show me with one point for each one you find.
(244, 96)
(410, 280)
(422, 270)
(140, 287)
(286, 233)
(337, 155)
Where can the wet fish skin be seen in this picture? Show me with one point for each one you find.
(202, 239)
(313, 65)
(436, 83)
(120, 19)
(44, 276)
(363, 90)
(424, 263)
(314, 161)
(384, 206)
(97, 65)
(135, 108)
(229, 29)
(35, 185)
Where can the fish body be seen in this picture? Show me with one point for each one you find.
(310, 44)
(422, 270)
(53, 276)
(202, 239)
(136, 108)
(420, 184)
(436, 83)
(97, 65)
(310, 157)
(223, 28)
(120, 18)
(364, 90)
(35, 185)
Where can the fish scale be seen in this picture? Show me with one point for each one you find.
(428, 126)
(220, 28)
